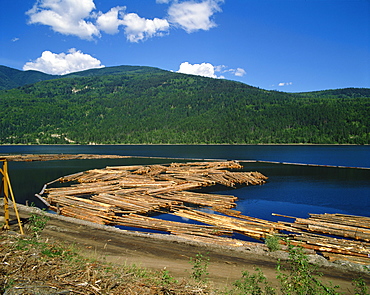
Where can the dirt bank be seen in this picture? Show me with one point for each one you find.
(164, 251)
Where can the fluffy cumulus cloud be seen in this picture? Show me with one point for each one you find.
(239, 72)
(63, 63)
(138, 28)
(203, 69)
(193, 16)
(209, 70)
(69, 17)
(80, 18)
(110, 21)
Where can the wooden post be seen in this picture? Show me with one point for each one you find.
(8, 192)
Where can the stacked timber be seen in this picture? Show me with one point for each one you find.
(336, 236)
(138, 203)
(249, 228)
(200, 199)
(84, 209)
(139, 221)
(131, 196)
(348, 226)
(153, 188)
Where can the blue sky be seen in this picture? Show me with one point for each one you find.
(285, 45)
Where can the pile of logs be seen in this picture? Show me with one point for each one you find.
(132, 196)
(147, 189)
(336, 236)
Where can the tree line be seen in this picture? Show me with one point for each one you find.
(148, 105)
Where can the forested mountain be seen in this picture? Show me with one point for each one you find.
(11, 78)
(131, 104)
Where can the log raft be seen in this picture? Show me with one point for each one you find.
(133, 196)
(54, 157)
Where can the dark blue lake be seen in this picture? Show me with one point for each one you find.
(290, 190)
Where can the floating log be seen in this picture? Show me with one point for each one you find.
(251, 229)
(324, 224)
(351, 220)
(148, 189)
(140, 221)
(200, 199)
(54, 157)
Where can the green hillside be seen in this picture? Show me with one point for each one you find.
(11, 78)
(129, 104)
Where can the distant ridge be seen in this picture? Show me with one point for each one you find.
(147, 105)
(116, 70)
(343, 92)
(12, 78)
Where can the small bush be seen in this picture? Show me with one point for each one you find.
(360, 286)
(37, 223)
(301, 277)
(273, 242)
(200, 267)
(254, 284)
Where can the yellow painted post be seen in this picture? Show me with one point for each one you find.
(7, 188)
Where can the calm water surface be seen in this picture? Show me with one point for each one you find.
(290, 190)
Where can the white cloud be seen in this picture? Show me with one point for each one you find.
(138, 28)
(65, 16)
(62, 63)
(79, 18)
(209, 70)
(192, 16)
(239, 72)
(203, 69)
(285, 83)
(15, 39)
(110, 21)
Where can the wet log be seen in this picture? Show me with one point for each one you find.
(139, 221)
(84, 214)
(351, 220)
(251, 229)
(327, 227)
(335, 243)
(354, 259)
(83, 203)
(221, 241)
(200, 199)
(326, 248)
